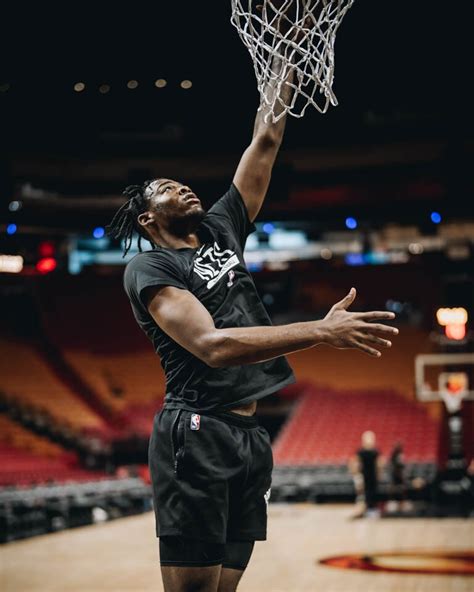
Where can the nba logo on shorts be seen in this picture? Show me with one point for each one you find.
(195, 421)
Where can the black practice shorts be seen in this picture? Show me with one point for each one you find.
(211, 476)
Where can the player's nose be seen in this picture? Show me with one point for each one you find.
(184, 189)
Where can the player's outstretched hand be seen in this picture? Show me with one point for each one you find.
(357, 330)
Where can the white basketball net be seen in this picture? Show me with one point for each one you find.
(453, 401)
(301, 33)
(453, 387)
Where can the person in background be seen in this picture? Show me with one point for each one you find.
(365, 466)
(396, 466)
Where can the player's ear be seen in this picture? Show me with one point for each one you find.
(146, 218)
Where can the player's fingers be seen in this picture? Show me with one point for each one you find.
(379, 328)
(367, 349)
(376, 315)
(373, 339)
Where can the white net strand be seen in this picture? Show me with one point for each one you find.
(301, 35)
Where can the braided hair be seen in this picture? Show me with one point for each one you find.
(125, 222)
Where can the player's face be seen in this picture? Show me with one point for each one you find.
(173, 199)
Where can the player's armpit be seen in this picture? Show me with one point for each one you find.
(182, 316)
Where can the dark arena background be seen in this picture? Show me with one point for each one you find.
(377, 194)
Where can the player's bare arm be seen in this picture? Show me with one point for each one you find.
(253, 173)
(197, 333)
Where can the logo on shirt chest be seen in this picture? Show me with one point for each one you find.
(213, 263)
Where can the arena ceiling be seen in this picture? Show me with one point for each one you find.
(400, 80)
(397, 74)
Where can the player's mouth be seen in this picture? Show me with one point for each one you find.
(191, 197)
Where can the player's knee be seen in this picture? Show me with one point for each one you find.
(237, 555)
(190, 579)
(188, 565)
(229, 580)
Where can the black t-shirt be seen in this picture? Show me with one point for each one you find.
(216, 274)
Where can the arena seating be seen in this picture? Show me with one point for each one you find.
(25, 375)
(101, 342)
(326, 426)
(90, 313)
(14, 435)
(349, 369)
(140, 416)
(27, 458)
(24, 468)
(314, 446)
(120, 379)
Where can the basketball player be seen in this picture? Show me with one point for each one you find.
(209, 459)
(368, 458)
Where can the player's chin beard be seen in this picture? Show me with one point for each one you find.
(188, 223)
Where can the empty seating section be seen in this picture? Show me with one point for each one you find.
(326, 426)
(141, 416)
(27, 458)
(348, 369)
(120, 379)
(23, 468)
(13, 435)
(91, 322)
(89, 313)
(25, 375)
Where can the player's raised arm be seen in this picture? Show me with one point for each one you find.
(253, 173)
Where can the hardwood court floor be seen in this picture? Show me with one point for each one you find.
(122, 555)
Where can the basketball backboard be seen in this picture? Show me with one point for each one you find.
(444, 376)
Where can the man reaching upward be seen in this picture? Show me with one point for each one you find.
(209, 459)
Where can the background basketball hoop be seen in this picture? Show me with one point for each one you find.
(445, 376)
(450, 378)
(453, 388)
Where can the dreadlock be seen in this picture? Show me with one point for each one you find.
(125, 222)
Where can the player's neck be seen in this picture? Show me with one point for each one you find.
(169, 241)
(178, 235)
